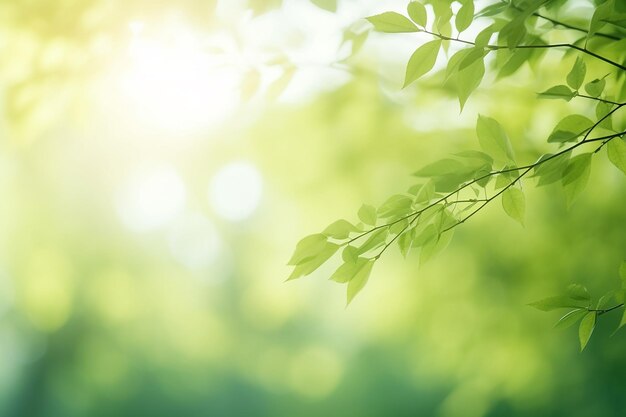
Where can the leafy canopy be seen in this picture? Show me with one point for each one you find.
(450, 191)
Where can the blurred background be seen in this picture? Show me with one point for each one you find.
(158, 162)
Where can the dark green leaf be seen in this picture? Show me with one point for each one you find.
(392, 22)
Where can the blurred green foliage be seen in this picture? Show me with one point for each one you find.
(189, 313)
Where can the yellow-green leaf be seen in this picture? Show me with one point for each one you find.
(514, 204)
(417, 12)
(392, 22)
(616, 150)
(422, 61)
(358, 281)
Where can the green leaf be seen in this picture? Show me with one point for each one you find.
(576, 75)
(493, 9)
(484, 36)
(405, 240)
(329, 5)
(552, 169)
(514, 32)
(425, 193)
(468, 80)
(560, 301)
(340, 229)
(616, 150)
(395, 205)
(367, 214)
(578, 292)
(417, 12)
(474, 55)
(575, 176)
(570, 318)
(348, 270)
(442, 167)
(307, 248)
(376, 239)
(493, 139)
(434, 246)
(514, 204)
(603, 109)
(358, 281)
(311, 264)
(622, 321)
(349, 254)
(558, 92)
(587, 324)
(392, 22)
(622, 273)
(570, 128)
(516, 58)
(594, 88)
(422, 61)
(464, 16)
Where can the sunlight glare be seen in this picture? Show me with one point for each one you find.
(236, 190)
(173, 84)
(151, 198)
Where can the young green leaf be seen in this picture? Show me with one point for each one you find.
(434, 246)
(570, 128)
(560, 301)
(340, 229)
(311, 264)
(392, 22)
(575, 176)
(376, 239)
(398, 204)
(616, 150)
(622, 273)
(348, 270)
(464, 16)
(576, 75)
(578, 292)
(587, 324)
(422, 61)
(328, 5)
(493, 139)
(514, 204)
(474, 55)
(552, 169)
(358, 281)
(594, 88)
(417, 13)
(367, 214)
(307, 248)
(468, 80)
(558, 92)
(570, 318)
